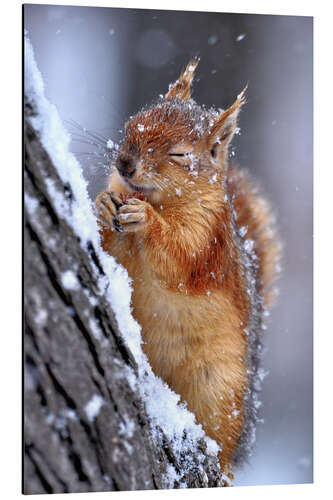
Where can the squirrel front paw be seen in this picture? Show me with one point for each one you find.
(133, 215)
(106, 205)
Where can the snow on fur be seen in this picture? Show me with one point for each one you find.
(162, 404)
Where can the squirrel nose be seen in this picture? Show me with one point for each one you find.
(126, 167)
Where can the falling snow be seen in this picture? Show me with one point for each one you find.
(212, 40)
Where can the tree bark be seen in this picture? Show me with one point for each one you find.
(74, 356)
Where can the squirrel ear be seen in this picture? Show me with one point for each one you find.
(181, 89)
(224, 128)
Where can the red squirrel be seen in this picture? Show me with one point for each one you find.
(201, 248)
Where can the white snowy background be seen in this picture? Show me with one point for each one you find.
(101, 65)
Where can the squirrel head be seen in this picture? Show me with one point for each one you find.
(175, 141)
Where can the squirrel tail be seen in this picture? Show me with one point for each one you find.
(254, 213)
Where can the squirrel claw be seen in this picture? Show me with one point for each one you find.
(106, 205)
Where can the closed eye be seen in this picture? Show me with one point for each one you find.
(178, 154)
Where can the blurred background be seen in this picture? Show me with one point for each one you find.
(101, 65)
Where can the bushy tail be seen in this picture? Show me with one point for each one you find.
(254, 213)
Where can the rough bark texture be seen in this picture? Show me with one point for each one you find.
(73, 350)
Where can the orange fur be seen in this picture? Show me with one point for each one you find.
(180, 248)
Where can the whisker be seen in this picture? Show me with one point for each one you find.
(88, 136)
(89, 143)
(94, 133)
(96, 136)
(90, 154)
(98, 155)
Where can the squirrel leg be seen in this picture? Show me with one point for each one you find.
(217, 402)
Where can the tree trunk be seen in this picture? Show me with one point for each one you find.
(85, 428)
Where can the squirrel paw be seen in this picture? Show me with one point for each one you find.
(133, 216)
(106, 205)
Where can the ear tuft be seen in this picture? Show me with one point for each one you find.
(181, 89)
(224, 127)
